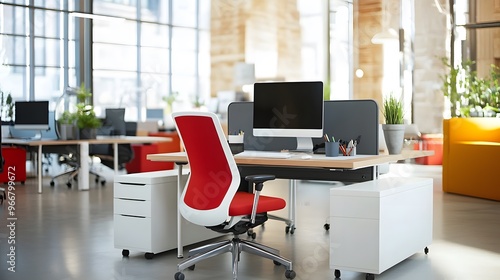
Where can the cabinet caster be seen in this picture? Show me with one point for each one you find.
(125, 252)
(426, 250)
(326, 226)
(179, 276)
(290, 274)
(148, 256)
(337, 273)
(370, 276)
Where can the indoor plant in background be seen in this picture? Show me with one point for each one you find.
(86, 120)
(67, 126)
(394, 127)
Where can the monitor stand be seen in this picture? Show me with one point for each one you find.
(304, 144)
(38, 136)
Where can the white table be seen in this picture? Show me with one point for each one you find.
(83, 175)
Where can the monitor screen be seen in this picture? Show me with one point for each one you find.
(288, 109)
(32, 115)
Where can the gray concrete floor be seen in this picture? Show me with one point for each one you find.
(68, 234)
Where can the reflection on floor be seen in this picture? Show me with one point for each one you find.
(67, 234)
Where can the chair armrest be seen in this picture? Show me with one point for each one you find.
(258, 180)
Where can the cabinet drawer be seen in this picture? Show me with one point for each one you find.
(141, 208)
(132, 233)
(133, 191)
(355, 207)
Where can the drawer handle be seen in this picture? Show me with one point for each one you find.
(132, 184)
(133, 216)
(132, 199)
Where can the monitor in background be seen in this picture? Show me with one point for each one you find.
(289, 109)
(154, 114)
(32, 115)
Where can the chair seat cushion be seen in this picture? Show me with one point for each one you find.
(242, 204)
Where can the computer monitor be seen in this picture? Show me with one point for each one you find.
(289, 109)
(33, 115)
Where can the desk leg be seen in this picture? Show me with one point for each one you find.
(83, 174)
(115, 158)
(293, 204)
(40, 175)
(180, 249)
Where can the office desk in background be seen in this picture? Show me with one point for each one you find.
(291, 164)
(83, 175)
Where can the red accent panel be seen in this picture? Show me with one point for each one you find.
(15, 164)
(242, 204)
(210, 173)
(140, 164)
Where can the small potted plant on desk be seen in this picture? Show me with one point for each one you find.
(86, 120)
(394, 128)
(67, 126)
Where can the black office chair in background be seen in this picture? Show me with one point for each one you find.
(113, 125)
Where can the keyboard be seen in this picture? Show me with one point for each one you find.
(264, 154)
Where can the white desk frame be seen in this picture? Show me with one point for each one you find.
(83, 175)
(318, 161)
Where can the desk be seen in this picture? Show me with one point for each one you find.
(83, 176)
(317, 161)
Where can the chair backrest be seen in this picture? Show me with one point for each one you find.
(214, 177)
(115, 117)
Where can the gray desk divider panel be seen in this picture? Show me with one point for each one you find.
(344, 119)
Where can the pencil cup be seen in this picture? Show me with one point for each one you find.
(351, 152)
(236, 143)
(332, 149)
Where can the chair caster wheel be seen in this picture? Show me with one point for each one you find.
(125, 252)
(191, 267)
(148, 256)
(179, 276)
(252, 234)
(68, 184)
(370, 276)
(276, 263)
(337, 273)
(290, 274)
(103, 183)
(52, 183)
(96, 179)
(290, 229)
(326, 226)
(426, 250)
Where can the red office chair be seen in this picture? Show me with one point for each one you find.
(210, 197)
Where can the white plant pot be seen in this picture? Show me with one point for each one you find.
(394, 137)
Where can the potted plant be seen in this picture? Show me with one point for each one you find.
(67, 126)
(394, 127)
(86, 120)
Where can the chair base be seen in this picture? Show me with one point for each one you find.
(73, 172)
(235, 246)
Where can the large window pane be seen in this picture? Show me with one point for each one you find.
(184, 63)
(185, 86)
(155, 10)
(204, 14)
(183, 39)
(47, 52)
(155, 87)
(14, 50)
(52, 4)
(116, 8)
(47, 84)
(184, 13)
(47, 23)
(13, 80)
(154, 60)
(120, 57)
(154, 35)
(121, 32)
(114, 88)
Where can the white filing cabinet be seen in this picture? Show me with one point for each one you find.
(377, 224)
(145, 213)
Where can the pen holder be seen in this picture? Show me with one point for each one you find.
(332, 149)
(236, 143)
(351, 152)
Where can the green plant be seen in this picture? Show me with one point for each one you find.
(393, 110)
(85, 115)
(170, 99)
(67, 118)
